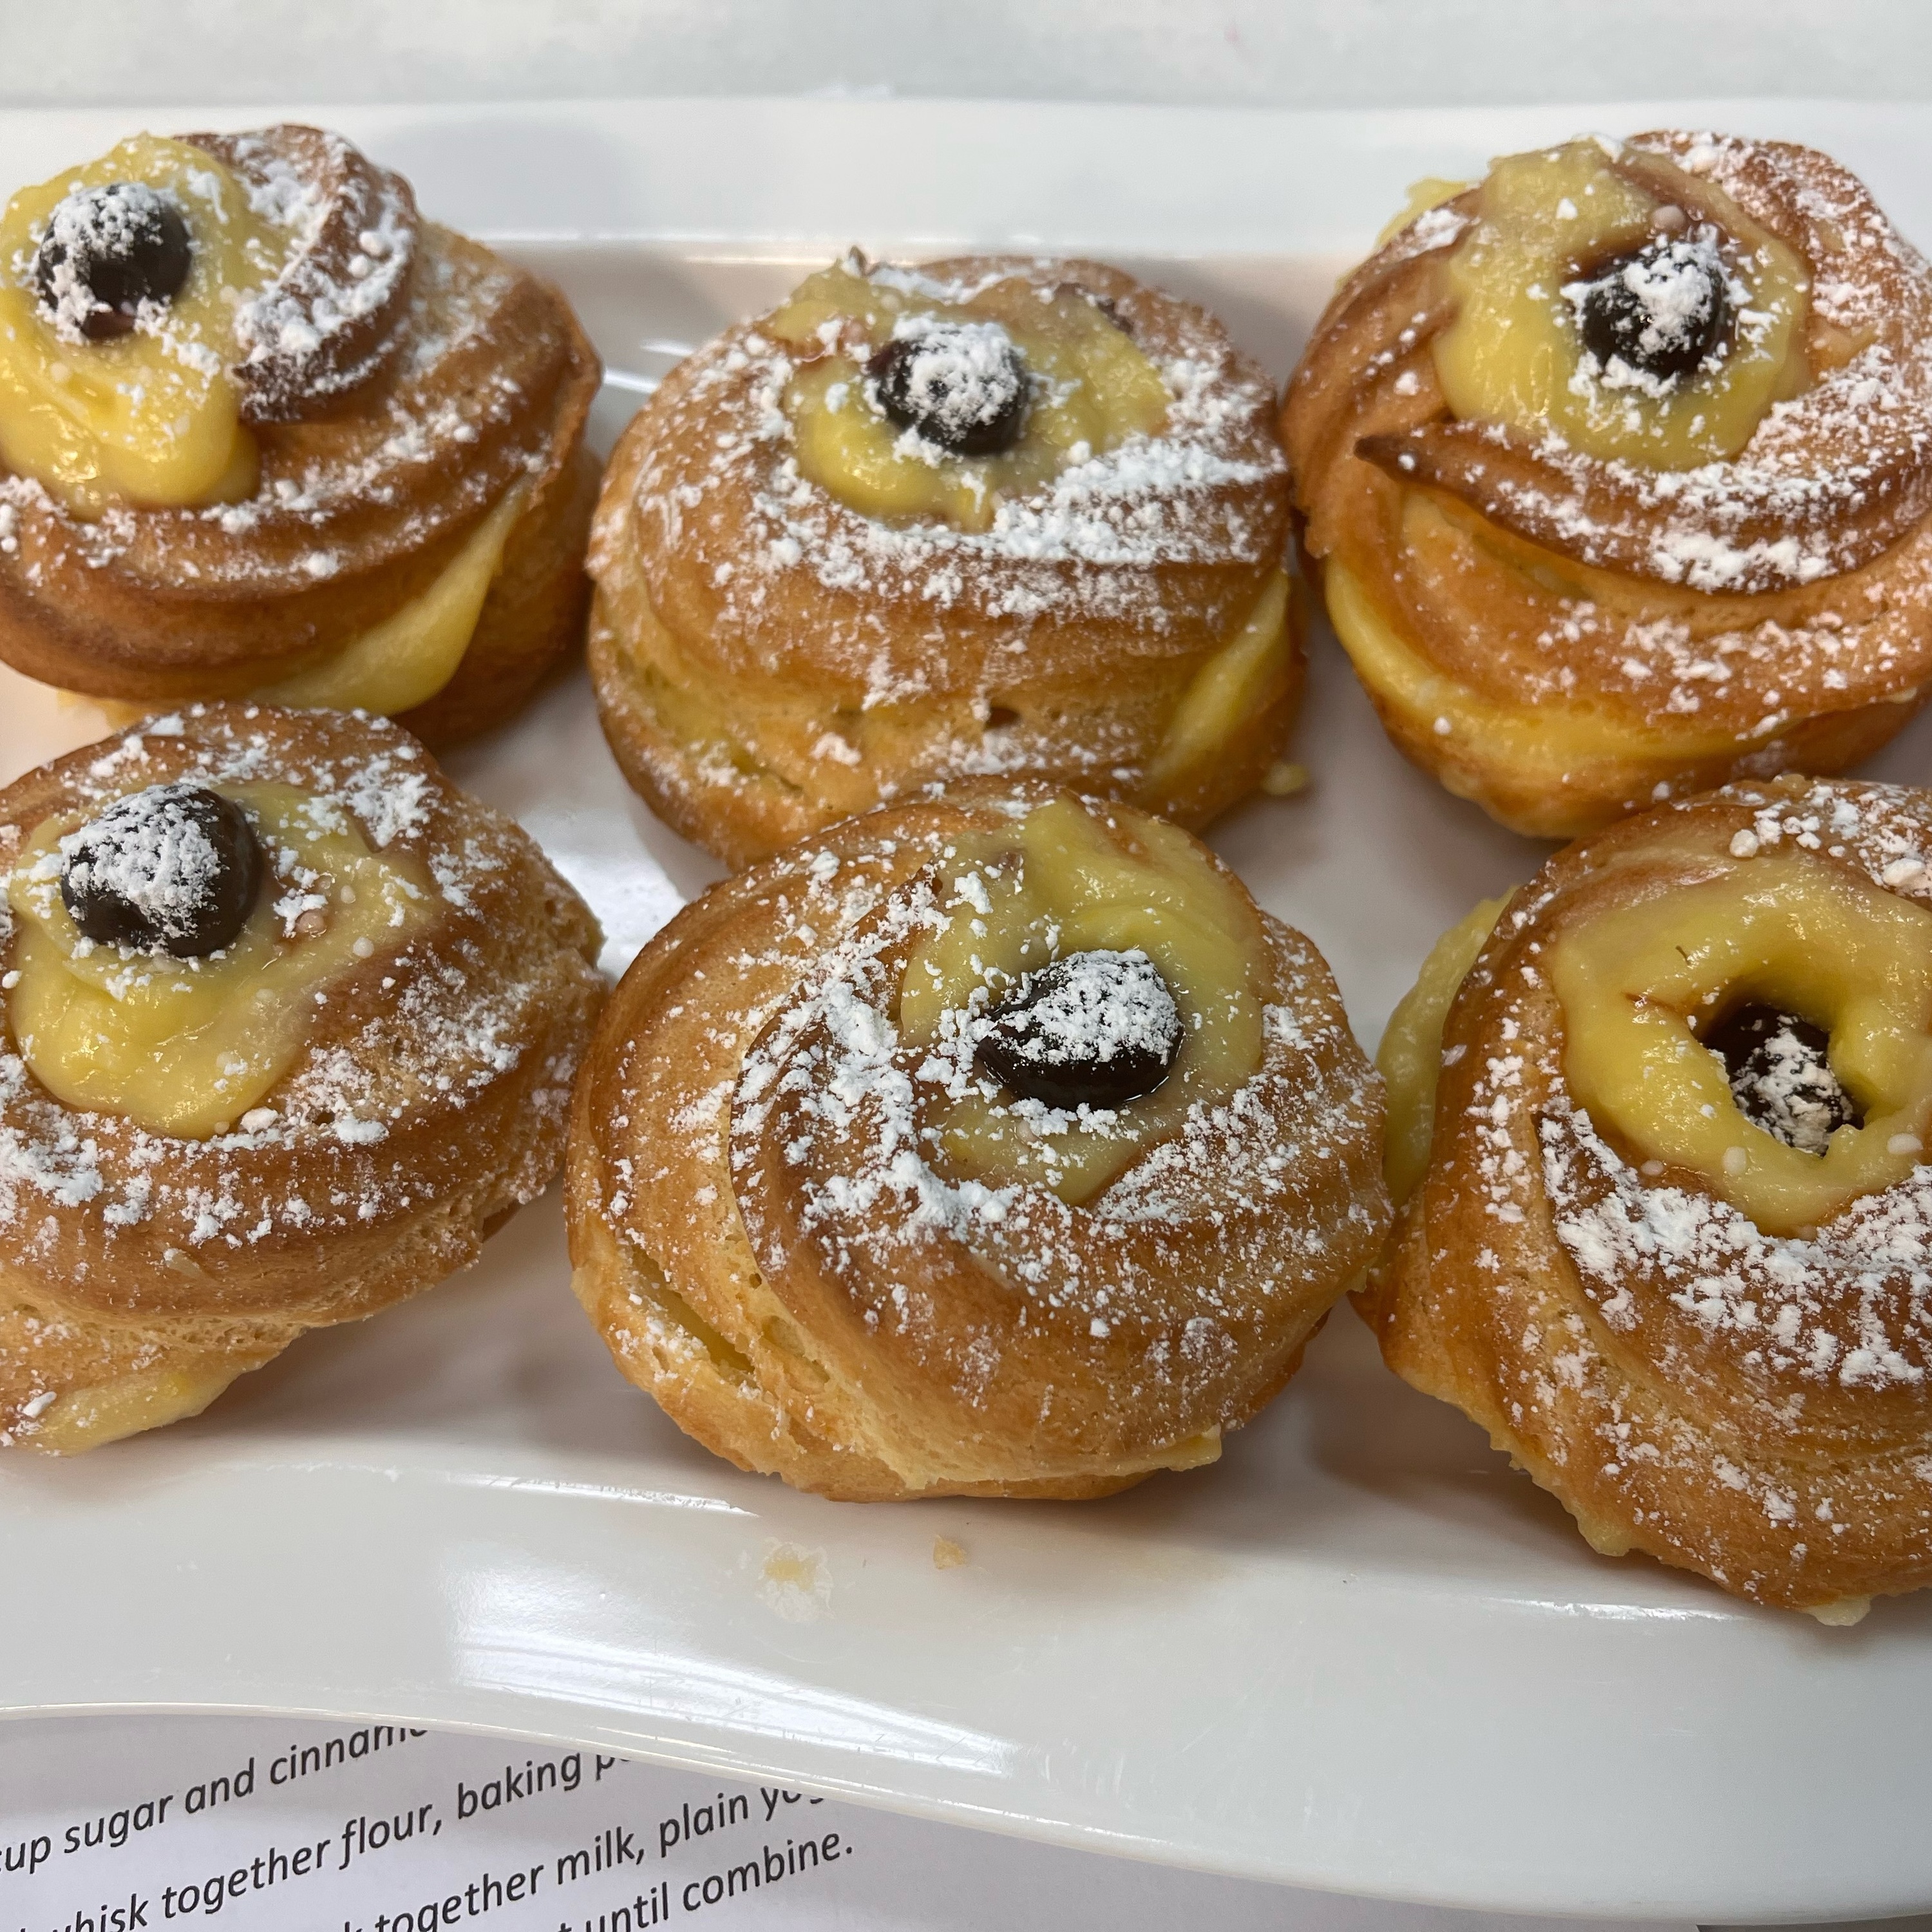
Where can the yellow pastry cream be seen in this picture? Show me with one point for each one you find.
(85, 1418)
(190, 1046)
(405, 660)
(1571, 242)
(1546, 746)
(914, 401)
(1644, 987)
(1410, 1055)
(1138, 897)
(1240, 679)
(151, 414)
(1649, 992)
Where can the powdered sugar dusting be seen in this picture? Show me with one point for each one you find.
(832, 1098)
(323, 293)
(958, 375)
(111, 223)
(1103, 1006)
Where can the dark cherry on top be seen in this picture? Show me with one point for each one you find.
(175, 869)
(125, 243)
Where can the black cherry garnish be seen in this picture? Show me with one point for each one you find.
(108, 249)
(1096, 1029)
(1661, 310)
(961, 385)
(175, 869)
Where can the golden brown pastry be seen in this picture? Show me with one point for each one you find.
(1617, 465)
(264, 433)
(993, 515)
(1673, 1247)
(996, 1145)
(290, 1025)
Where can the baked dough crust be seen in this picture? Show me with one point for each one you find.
(1587, 636)
(140, 1273)
(1755, 1408)
(819, 1304)
(377, 467)
(768, 661)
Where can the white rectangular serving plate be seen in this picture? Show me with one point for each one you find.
(1359, 1653)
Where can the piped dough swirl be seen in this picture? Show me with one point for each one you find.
(401, 383)
(770, 658)
(141, 1271)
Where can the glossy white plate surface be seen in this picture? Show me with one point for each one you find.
(1359, 1653)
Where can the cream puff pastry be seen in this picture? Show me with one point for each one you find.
(1617, 466)
(992, 1145)
(290, 1025)
(265, 433)
(992, 515)
(1669, 1240)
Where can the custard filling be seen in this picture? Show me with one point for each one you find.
(187, 1047)
(1431, 191)
(1244, 677)
(409, 657)
(86, 1418)
(154, 417)
(1410, 1055)
(1516, 353)
(1062, 882)
(1641, 987)
(830, 748)
(1090, 388)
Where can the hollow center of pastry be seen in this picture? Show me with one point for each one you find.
(1768, 1032)
(188, 1046)
(1638, 312)
(1122, 927)
(119, 284)
(907, 404)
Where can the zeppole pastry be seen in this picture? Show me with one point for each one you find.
(290, 1025)
(994, 515)
(1672, 1241)
(991, 1145)
(1617, 465)
(264, 433)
